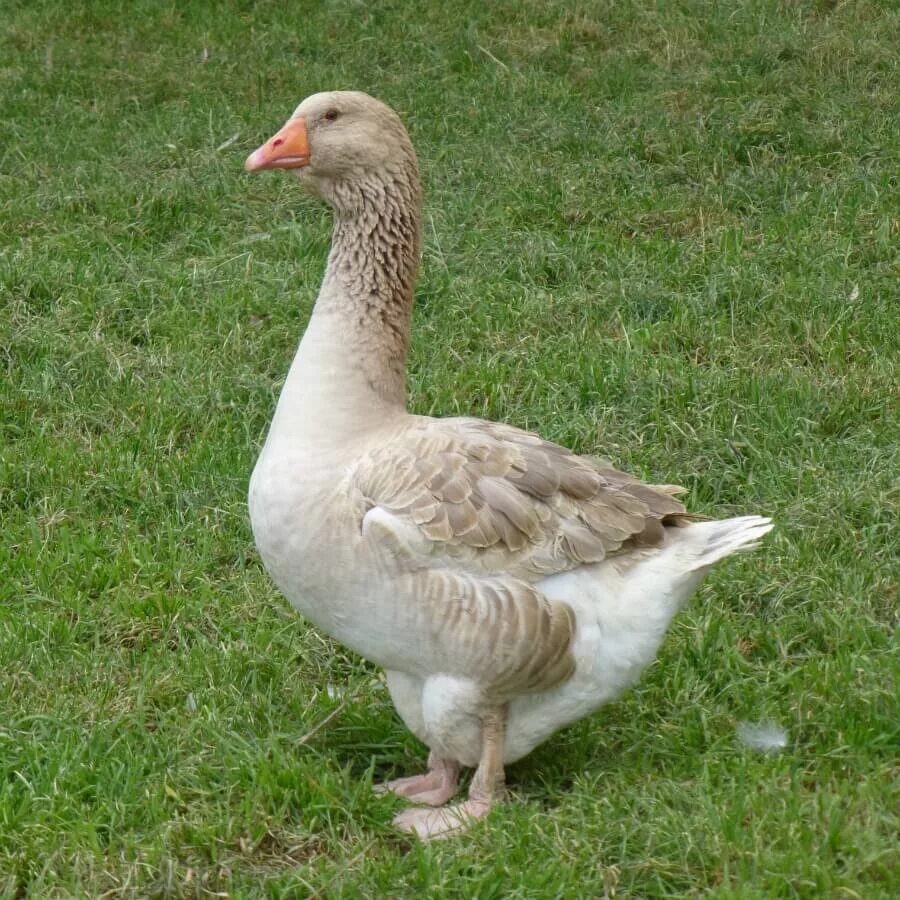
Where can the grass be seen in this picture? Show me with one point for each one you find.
(666, 233)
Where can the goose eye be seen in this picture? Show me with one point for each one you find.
(331, 115)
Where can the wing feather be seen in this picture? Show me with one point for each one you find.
(503, 501)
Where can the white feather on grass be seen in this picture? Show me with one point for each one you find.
(766, 736)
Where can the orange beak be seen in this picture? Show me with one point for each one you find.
(289, 149)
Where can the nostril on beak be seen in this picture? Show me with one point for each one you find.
(278, 142)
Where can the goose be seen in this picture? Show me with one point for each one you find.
(506, 585)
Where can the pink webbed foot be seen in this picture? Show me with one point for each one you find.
(487, 785)
(436, 824)
(434, 788)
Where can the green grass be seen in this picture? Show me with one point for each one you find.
(663, 232)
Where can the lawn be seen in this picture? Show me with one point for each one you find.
(666, 233)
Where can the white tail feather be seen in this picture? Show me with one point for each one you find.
(716, 540)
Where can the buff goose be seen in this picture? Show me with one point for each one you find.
(507, 586)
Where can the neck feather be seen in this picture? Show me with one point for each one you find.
(349, 374)
(370, 278)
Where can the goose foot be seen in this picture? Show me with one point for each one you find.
(439, 784)
(487, 783)
(436, 824)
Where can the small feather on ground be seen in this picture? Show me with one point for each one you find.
(766, 737)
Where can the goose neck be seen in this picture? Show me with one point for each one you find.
(350, 369)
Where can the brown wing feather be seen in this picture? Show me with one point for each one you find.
(500, 631)
(514, 502)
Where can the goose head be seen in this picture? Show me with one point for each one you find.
(338, 138)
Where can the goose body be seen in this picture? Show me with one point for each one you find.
(507, 586)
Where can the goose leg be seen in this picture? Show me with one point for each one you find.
(487, 783)
(434, 788)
